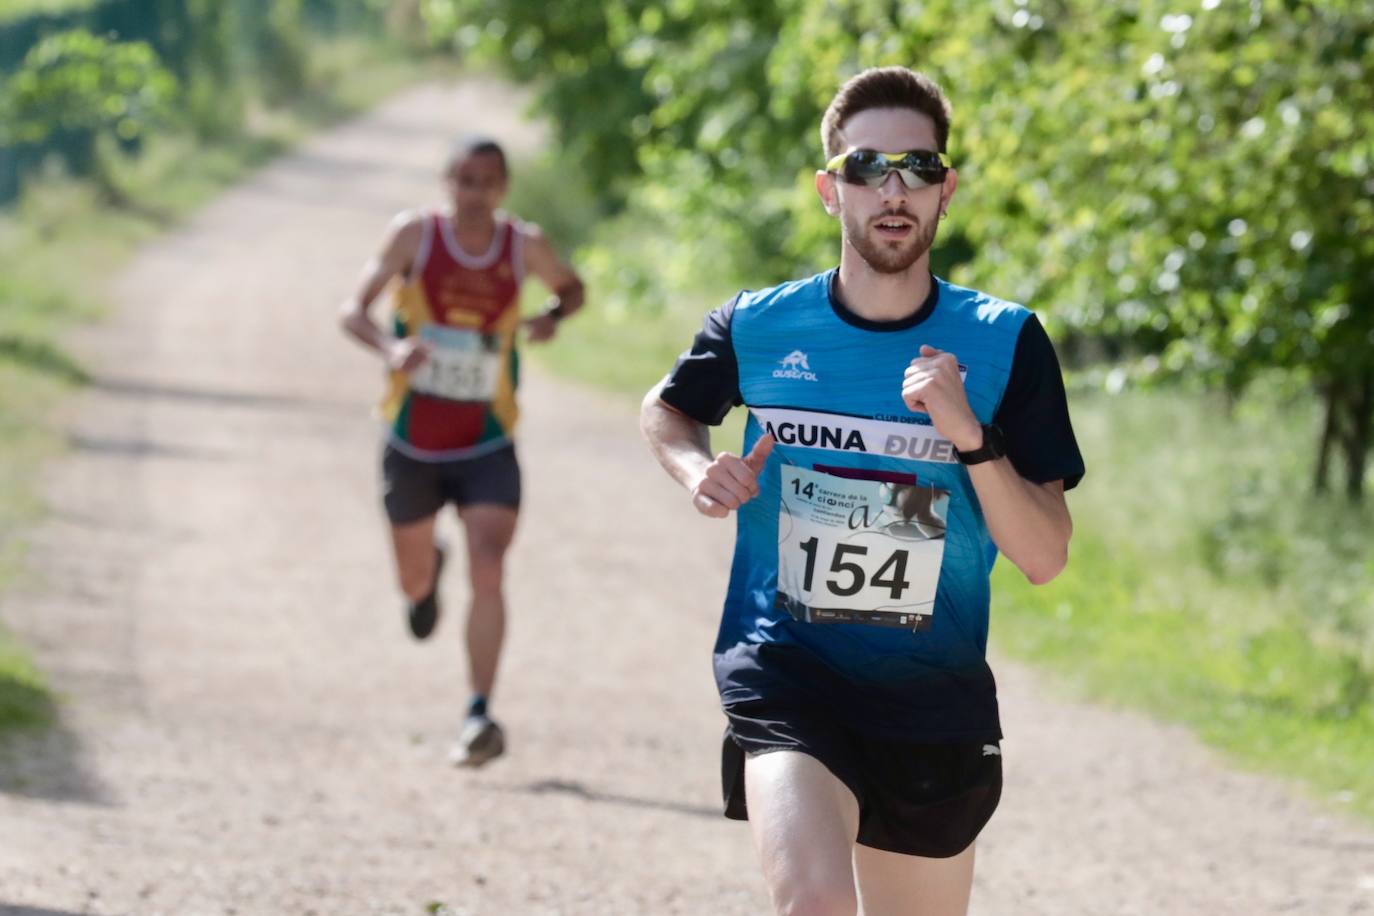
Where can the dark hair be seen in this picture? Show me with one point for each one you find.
(473, 146)
(884, 87)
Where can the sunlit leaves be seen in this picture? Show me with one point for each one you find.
(77, 81)
(1191, 184)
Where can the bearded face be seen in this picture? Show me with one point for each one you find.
(894, 239)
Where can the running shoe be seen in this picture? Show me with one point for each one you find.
(424, 614)
(481, 740)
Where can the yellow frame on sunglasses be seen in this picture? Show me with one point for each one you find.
(891, 159)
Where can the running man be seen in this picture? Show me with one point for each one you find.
(902, 431)
(450, 407)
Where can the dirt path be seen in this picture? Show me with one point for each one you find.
(248, 730)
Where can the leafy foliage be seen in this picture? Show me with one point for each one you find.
(1194, 190)
(227, 60)
(76, 81)
(11, 10)
(87, 89)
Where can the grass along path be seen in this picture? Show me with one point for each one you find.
(1208, 586)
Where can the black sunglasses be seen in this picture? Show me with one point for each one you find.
(919, 168)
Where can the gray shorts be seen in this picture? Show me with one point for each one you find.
(413, 490)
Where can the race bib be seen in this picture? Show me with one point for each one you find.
(859, 551)
(463, 365)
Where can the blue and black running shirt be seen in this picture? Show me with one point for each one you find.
(866, 556)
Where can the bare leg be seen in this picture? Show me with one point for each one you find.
(891, 884)
(490, 529)
(804, 822)
(413, 544)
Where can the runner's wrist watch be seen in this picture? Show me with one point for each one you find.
(994, 446)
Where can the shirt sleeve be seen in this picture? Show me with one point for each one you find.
(704, 384)
(1034, 413)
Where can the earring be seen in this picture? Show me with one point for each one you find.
(944, 213)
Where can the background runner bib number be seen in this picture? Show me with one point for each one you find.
(463, 365)
(859, 551)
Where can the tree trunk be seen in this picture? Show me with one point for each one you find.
(1322, 476)
(1357, 442)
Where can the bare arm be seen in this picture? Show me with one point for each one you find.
(1029, 522)
(395, 258)
(558, 276)
(683, 447)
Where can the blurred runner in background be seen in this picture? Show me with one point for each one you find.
(450, 408)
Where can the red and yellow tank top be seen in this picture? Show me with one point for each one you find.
(462, 400)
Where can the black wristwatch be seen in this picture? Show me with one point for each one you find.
(994, 446)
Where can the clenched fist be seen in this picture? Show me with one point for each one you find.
(932, 386)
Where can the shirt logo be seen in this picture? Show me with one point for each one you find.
(794, 365)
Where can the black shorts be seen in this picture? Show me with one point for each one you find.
(413, 489)
(916, 799)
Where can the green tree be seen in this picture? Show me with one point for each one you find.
(92, 90)
(1198, 183)
(1190, 190)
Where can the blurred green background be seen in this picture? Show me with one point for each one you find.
(1183, 191)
